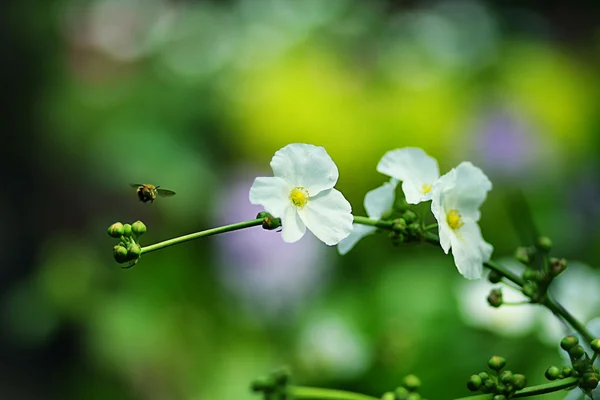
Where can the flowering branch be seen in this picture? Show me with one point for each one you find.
(304, 392)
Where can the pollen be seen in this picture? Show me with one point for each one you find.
(299, 196)
(454, 219)
(426, 188)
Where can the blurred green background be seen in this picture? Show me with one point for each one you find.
(196, 96)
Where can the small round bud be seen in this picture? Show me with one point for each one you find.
(120, 254)
(552, 373)
(501, 388)
(127, 230)
(401, 393)
(496, 363)
(414, 228)
(595, 345)
(506, 377)
(567, 372)
(499, 397)
(474, 383)
(568, 342)
(262, 215)
(263, 384)
(495, 298)
(484, 376)
(529, 289)
(489, 386)
(138, 227)
(134, 251)
(411, 382)
(576, 352)
(580, 365)
(399, 226)
(115, 230)
(519, 381)
(270, 223)
(544, 243)
(409, 216)
(531, 274)
(557, 266)
(282, 375)
(589, 380)
(522, 255)
(388, 396)
(413, 396)
(495, 276)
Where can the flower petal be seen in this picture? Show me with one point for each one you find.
(470, 251)
(272, 193)
(307, 166)
(380, 200)
(414, 168)
(437, 209)
(358, 232)
(292, 227)
(329, 216)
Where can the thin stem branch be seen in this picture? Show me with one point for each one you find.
(302, 392)
(532, 390)
(208, 232)
(372, 222)
(557, 309)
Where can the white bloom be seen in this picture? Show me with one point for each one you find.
(377, 202)
(417, 171)
(301, 193)
(456, 199)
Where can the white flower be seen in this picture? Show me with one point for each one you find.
(377, 202)
(417, 171)
(301, 193)
(456, 199)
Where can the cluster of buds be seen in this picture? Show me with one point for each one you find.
(582, 366)
(269, 222)
(273, 386)
(406, 229)
(540, 271)
(408, 390)
(501, 383)
(128, 250)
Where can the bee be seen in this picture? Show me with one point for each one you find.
(148, 193)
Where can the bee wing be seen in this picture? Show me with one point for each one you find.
(135, 185)
(165, 192)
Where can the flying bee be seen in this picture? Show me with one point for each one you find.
(148, 193)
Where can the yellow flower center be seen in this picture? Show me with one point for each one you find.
(299, 196)
(454, 219)
(426, 188)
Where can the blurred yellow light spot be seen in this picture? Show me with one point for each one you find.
(454, 219)
(299, 196)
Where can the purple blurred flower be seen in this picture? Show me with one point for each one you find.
(269, 276)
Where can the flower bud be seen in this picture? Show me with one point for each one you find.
(263, 384)
(495, 298)
(531, 274)
(413, 396)
(506, 377)
(495, 276)
(499, 397)
(282, 375)
(399, 226)
(127, 230)
(489, 386)
(474, 383)
(567, 372)
(552, 373)
(580, 365)
(411, 382)
(519, 381)
(388, 396)
(409, 216)
(262, 215)
(557, 266)
(115, 230)
(544, 243)
(401, 393)
(576, 352)
(414, 228)
(138, 227)
(568, 342)
(484, 376)
(589, 380)
(496, 363)
(501, 387)
(270, 223)
(134, 251)
(120, 254)
(595, 345)
(529, 289)
(522, 255)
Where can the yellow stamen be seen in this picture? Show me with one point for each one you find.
(454, 219)
(426, 188)
(299, 196)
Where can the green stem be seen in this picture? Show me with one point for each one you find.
(208, 232)
(557, 309)
(500, 269)
(430, 226)
(302, 392)
(532, 390)
(371, 222)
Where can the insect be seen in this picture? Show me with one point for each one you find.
(148, 193)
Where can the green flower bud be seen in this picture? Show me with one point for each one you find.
(388, 396)
(474, 383)
(531, 274)
(484, 376)
(544, 243)
(595, 345)
(411, 382)
(138, 228)
(522, 255)
(589, 380)
(496, 363)
(567, 372)
(396, 238)
(115, 230)
(134, 251)
(552, 373)
(127, 230)
(401, 393)
(399, 226)
(262, 215)
(519, 381)
(568, 342)
(489, 386)
(414, 228)
(495, 276)
(506, 377)
(409, 216)
(501, 388)
(495, 298)
(580, 365)
(576, 352)
(557, 266)
(120, 254)
(529, 289)
(263, 384)
(413, 396)
(270, 223)
(282, 375)
(499, 397)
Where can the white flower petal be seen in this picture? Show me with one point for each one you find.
(470, 251)
(329, 216)
(380, 200)
(271, 193)
(358, 232)
(444, 230)
(414, 168)
(307, 166)
(292, 227)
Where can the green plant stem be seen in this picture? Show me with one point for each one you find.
(532, 390)
(372, 222)
(557, 309)
(197, 235)
(303, 392)
(508, 274)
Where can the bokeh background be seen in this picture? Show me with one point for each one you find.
(196, 96)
